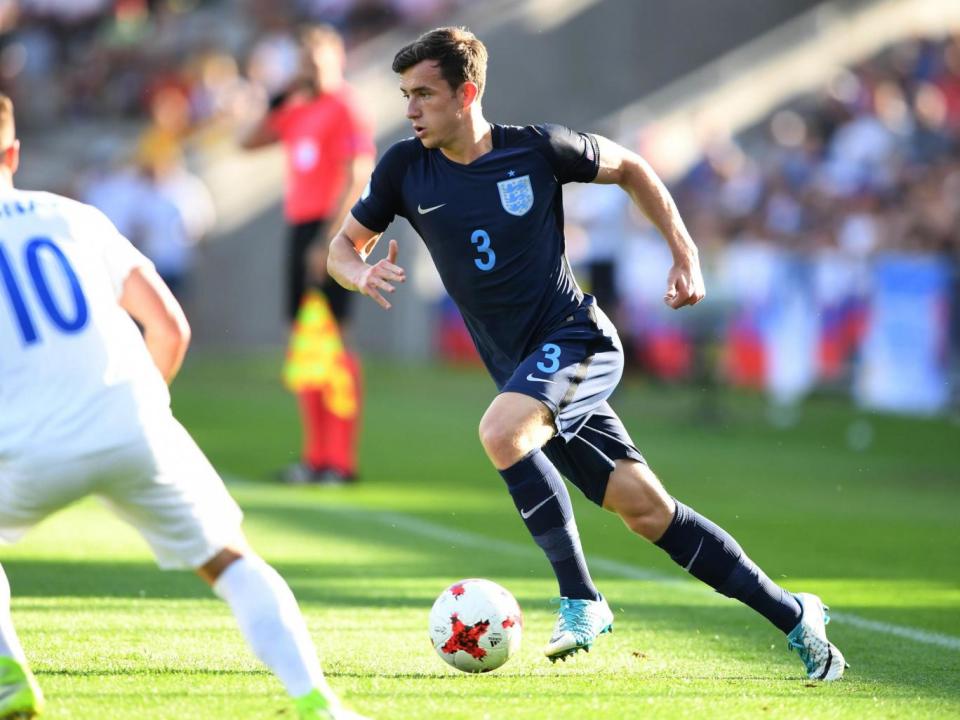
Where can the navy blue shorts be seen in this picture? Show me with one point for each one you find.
(573, 372)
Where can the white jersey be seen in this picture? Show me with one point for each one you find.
(75, 375)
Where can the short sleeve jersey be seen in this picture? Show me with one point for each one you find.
(75, 374)
(320, 136)
(494, 229)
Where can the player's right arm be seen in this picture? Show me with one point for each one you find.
(353, 243)
(346, 262)
(165, 329)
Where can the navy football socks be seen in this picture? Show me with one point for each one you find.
(710, 554)
(542, 498)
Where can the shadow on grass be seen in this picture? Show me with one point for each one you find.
(437, 538)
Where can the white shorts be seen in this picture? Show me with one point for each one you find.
(162, 484)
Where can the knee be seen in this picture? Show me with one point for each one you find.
(649, 521)
(637, 496)
(500, 441)
(512, 426)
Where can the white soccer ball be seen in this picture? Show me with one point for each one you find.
(475, 625)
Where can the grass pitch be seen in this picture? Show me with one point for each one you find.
(876, 532)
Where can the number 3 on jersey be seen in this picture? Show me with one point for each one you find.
(69, 323)
(481, 239)
(551, 354)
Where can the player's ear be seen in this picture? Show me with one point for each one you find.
(468, 93)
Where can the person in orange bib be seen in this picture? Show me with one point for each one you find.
(329, 155)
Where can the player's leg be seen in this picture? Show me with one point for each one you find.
(571, 372)
(20, 695)
(712, 555)
(28, 493)
(273, 626)
(9, 642)
(173, 496)
(699, 546)
(512, 431)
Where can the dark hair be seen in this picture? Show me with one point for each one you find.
(457, 51)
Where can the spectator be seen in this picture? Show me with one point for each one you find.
(130, 197)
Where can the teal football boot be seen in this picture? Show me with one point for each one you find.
(579, 622)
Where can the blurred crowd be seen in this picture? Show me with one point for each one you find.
(102, 58)
(812, 226)
(870, 163)
(169, 80)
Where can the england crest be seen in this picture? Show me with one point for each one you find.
(516, 195)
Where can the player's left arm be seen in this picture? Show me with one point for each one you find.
(620, 166)
(148, 300)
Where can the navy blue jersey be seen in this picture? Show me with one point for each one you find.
(494, 228)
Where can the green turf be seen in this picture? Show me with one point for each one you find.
(876, 532)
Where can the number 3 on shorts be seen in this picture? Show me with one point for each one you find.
(551, 353)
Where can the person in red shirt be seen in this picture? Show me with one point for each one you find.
(329, 155)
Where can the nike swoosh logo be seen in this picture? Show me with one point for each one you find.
(533, 378)
(424, 211)
(10, 690)
(693, 559)
(527, 513)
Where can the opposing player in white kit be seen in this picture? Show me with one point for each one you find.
(84, 410)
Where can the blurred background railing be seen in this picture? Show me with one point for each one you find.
(814, 149)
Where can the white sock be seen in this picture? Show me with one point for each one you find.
(272, 624)
(9, 642)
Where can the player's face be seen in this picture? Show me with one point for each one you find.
(434, 109)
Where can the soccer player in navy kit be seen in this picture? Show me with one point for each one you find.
(486, 199)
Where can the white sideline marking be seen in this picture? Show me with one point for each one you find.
(624, 570)
(445, 534)
(915, 634)
(463, 537)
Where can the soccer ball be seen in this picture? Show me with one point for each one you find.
(475, 625)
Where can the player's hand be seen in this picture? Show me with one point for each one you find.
(379, 276)
(684, 284)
